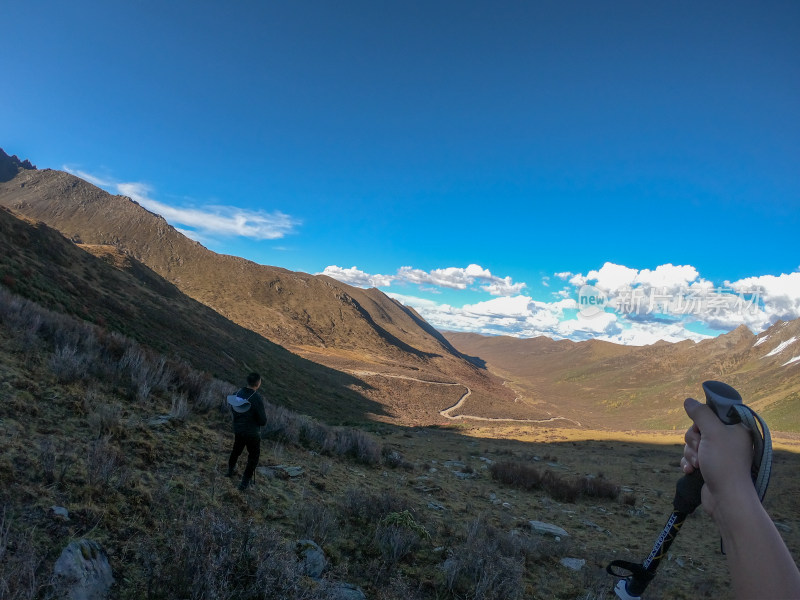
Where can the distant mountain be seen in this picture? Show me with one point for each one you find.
(609, 385)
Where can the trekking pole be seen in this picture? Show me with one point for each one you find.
(726, 402)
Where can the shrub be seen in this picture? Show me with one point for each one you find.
(564, 489)
(104, 465)
(67, 364)
(179, 408)
(105, 418)
(361, 505)
(18, 562)
(488, 564)
(216, 556)
(315, 521)
(300, 430)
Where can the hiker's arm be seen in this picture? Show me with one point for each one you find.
(261, 415)
(759, 561)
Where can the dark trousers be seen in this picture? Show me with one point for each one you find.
(253, 445)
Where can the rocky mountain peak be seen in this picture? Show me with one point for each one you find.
(11, 165)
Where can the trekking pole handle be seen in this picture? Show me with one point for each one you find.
(721, 398)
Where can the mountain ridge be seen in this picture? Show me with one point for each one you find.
(331, 323)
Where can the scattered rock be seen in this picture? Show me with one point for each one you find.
(159, 420)
(507, 505)
(462, 475)
(60, 511)
(312, 558)
(547, 529)
(488, 461)
(281, 471)
(82, 572)
(435, 506)
(594, 525)
(454, 464)
(576, 564)
(347, 591)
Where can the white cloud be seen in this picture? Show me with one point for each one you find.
(356, 277)
(611, 277)
(503, 287)
(456, 278)
(522, 316)
(206, 221)
(680, 294)
(780, 294)
(668, 276)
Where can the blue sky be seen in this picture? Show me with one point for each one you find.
(480, 161)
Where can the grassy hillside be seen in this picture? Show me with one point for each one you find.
(78, 432)
(121, 295)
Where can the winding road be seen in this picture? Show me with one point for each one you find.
(446, 412)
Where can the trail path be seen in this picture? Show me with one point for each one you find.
(446, 412)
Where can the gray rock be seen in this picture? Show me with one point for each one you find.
(435, 506)
(347, 591)
(281, 471)
(454, 464)
(60, 511)
(83, 572)
(462, 475)
(159, 421)
(312, 558)
(576, 564)
(547, 529)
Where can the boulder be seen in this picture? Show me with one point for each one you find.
(576, 564)
(547, 529)
(82, 572)
(60, 512)
(312, 558)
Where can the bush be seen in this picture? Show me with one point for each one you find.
(488, 564)
(104, 465)
(315, 521)
(216, 556)
(300, 430)
(358, 504)
(564, 489)
(18, 562)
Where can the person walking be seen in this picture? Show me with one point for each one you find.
(247, 409)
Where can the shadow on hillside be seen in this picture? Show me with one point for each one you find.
(128, 298)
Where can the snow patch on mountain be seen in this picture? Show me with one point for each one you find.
(782, 346)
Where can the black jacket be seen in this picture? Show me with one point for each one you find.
(250, 422)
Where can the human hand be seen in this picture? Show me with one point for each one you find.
(724, 454)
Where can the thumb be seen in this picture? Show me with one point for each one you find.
(703, 417)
